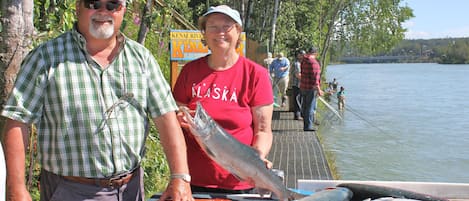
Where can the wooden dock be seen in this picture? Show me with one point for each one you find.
(299, 154)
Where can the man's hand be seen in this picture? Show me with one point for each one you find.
(320, 92)
(20, 193)
(174, 147)
(177, 190)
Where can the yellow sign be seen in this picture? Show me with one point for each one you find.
(187, 45)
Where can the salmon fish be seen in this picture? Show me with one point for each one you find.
(237, 158)
(364, 191)
(334, 194)
(391, 199)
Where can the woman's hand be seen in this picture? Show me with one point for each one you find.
(267, 163)
(181, 116)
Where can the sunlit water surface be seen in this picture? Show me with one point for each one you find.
(403, 122)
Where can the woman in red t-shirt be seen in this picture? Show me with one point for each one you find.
(235, 91)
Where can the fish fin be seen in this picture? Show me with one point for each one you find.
(262, 192)
(235, 175)
(337, 194)
(296, 194)
(201, 114)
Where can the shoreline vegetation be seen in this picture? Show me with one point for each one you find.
(330, 158)
(442, 51)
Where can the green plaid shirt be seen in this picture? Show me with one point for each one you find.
(91, 122)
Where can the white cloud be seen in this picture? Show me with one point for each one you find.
(457, 32)
(450, 33)
(415, 33)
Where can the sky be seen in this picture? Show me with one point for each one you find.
(437, 19)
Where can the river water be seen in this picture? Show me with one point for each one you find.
(402, 122)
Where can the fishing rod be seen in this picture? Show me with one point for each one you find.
(330, 107)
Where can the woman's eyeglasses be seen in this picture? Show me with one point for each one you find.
(110, 5)
(218, 29)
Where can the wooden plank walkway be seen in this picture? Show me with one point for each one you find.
(299, 154)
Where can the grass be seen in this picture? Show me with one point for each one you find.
(155, 166)
(330, 155)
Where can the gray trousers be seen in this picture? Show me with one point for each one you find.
(56, 188)
(280, 89)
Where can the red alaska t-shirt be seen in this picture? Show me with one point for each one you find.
(227, 96)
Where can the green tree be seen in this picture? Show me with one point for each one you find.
(456, 53)
(16, 29)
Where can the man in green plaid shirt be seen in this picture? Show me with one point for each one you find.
(90, 92)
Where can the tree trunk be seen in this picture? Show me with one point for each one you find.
(144, 22)
(259, 32)
(15, 40)
(247, 20)
(330, 31)
(274, 22)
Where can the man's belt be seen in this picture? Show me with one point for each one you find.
(113, 182)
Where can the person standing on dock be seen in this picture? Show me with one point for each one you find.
(280, 69)
(310, 87)
(296, 75)
(268, 60)
(234, 90)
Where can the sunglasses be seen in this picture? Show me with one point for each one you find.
(110, 5)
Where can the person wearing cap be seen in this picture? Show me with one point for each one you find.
(295, 77)
(310, 87)
(280, 69)
(89, 93)
(268, 60)
(235, 91)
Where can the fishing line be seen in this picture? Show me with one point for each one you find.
(354, 112)
(330, 107)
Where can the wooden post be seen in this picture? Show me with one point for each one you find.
(174, 73)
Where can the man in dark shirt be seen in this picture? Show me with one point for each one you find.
(310, 87)
(295, 83)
